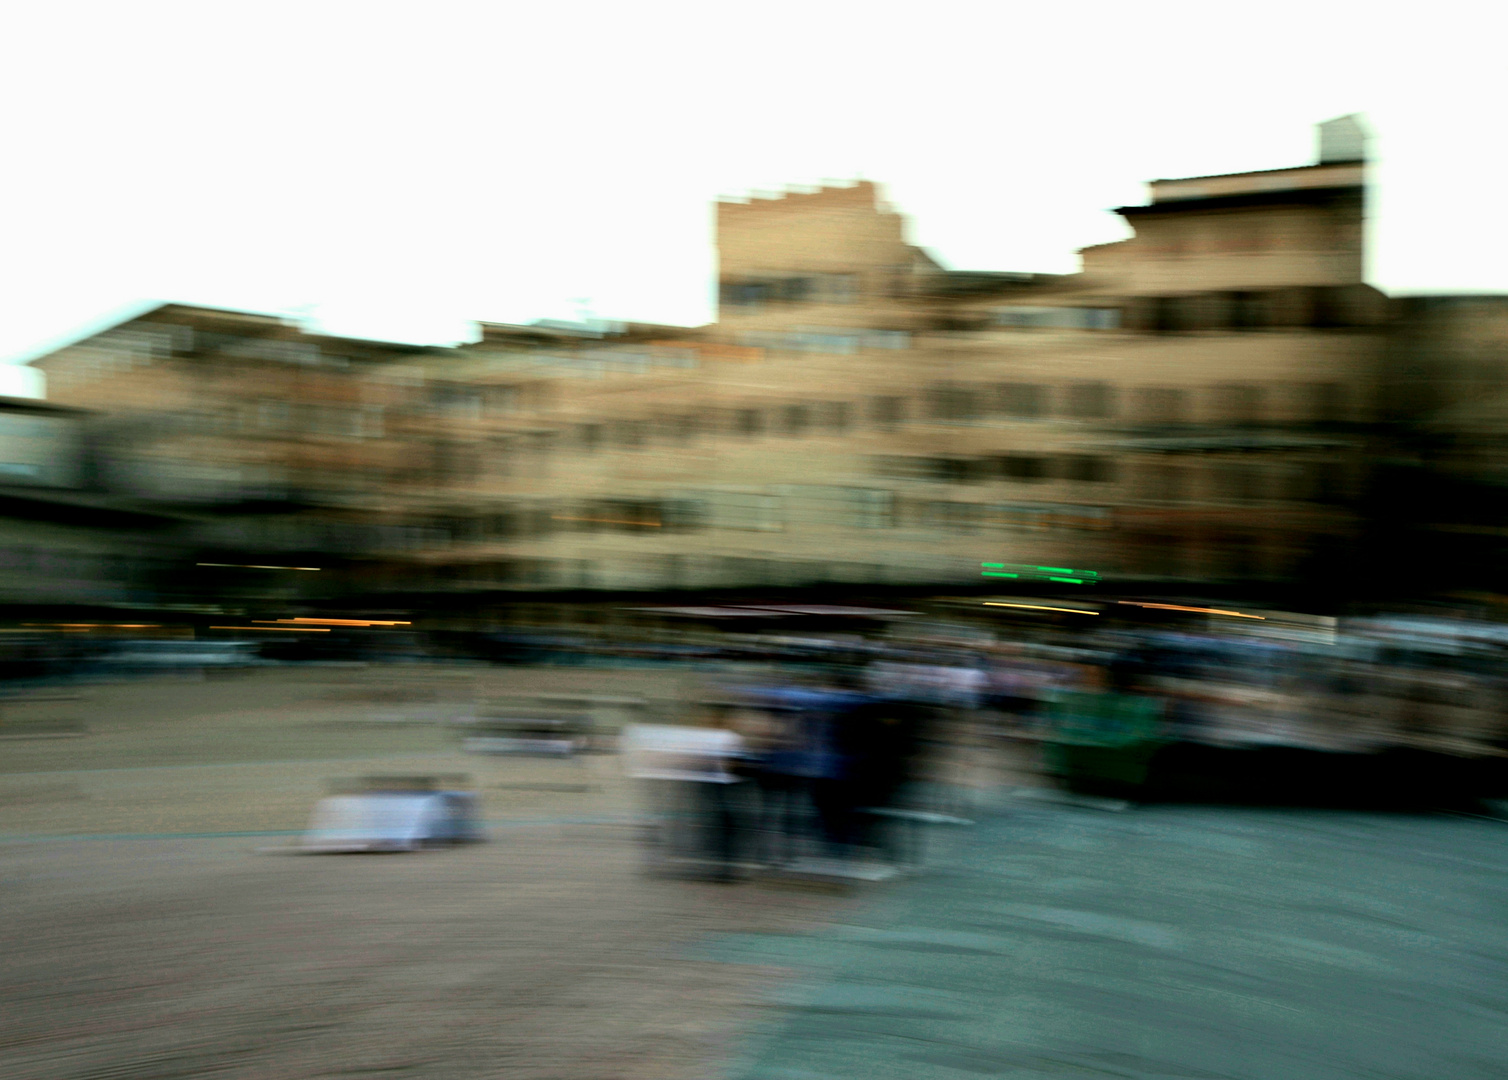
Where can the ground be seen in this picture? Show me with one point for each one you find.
(149, 931)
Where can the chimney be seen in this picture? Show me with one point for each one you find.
(1342, 139)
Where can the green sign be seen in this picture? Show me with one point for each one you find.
(1023, 572)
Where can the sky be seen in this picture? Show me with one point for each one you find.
(403, 170)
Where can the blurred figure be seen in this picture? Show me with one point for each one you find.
(883, 741)
(828, 746)
(717, 797)
(775, 767)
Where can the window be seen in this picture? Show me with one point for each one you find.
(887, 412)
(590, 437)
(796, 290)
(761, 513)
(1326, 403)
(503, 399)
(370, 421)
(746, 294)
(886, 339)
(1059, 318)
(1091, 400)
(747, 422)
(502, 525)
(1162, 482)
(952, 403)
(1247, 310)
(457, 401)
(1318, 481)
(835, 415)
(840, 288)
(683, 515)
(621, 515)
(274, 415)
(1238, 481)
(630, 434)
(501, 456)
(872, 508)
(954, 470)
(906, 467)
(1162, 556)
(821, 340)
(1161, 405)
(956, 516)
(1329, 307)
(1024, 468)
(1023, 399)
(1240, 556)
(794, 419)
(541, 444)
(681, 428)
(1088, 468)
(1170, 314)
(1238, 403)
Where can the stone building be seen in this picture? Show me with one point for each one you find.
(272, 445)
(1193, 408)
(1437, 510)
(63, 542)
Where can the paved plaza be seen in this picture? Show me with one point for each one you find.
(149, 934)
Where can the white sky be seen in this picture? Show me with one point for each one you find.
(399, 170)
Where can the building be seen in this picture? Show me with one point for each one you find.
(1195, 410)
(1436, 515)
(1191, 408)
(64, 542)
(272, 444)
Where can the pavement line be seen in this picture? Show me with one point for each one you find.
(504, 823)
(236, 764)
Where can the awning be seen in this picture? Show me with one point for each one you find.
(1226, 443)
(777, 611)
(834, 610)
(710, 612)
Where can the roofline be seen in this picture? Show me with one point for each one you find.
(211, 311)
(1258, 172)
(144, 315)
(24, 404)
(1291, 196)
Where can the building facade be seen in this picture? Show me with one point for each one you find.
(1191, 408)
(1196, 407)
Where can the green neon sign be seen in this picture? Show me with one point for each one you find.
(1062, 574)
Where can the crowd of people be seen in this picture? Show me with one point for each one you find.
(813, 765)
(785, 772)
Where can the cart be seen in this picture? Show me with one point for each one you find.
(391, 814)
(681, 785)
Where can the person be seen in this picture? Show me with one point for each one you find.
(827, 781)
(773, 757)
(882, 740)
(719, 771)
(835, 738)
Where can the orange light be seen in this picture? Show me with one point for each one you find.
(283, 629)
(339, 622)
(1200, 610)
